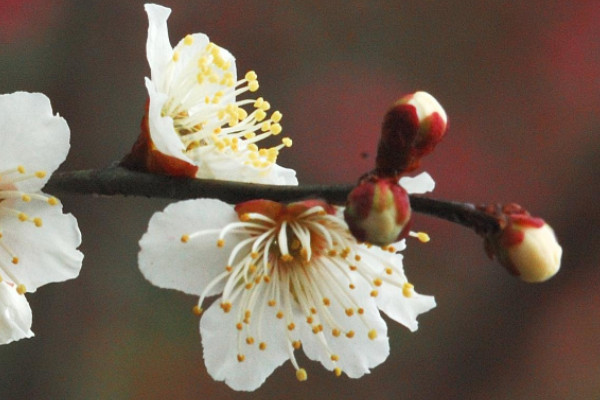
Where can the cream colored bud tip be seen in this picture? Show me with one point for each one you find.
(301, 375)
(537, 258)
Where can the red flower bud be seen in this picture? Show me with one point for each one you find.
(411, 129)
(378, 211)
(526, 246)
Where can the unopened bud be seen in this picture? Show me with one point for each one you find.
(526, 246)
(411, 129)
(378, 211)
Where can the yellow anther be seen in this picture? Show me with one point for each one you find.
(374, 293)
(250, 340)
(253, 86)
(296, 344)
(200, 78)
(276, 116)
(23, 217)
(313, 310)
(377, 281)
(336, 332)
(291, 326)
(357, 257)
(326, 301)
(226, 306)
(260, 115)
(315, 329)
(287, 257)
(265, 106)
(360, 310)
(188, 40)
(21, 169)
(272, 303)
(26, 198)
(21, 289)
(351, 286)
(52, 201)
(228, 268)
(349, 312)
(337, 371)
(353, 267)
(37, 222)
(185, 238)
(407, 289)
(388, 271)
(372, 334)
(262, 346)
(301, 375)
(239, 326)
(251, 76)
(335, 357)
(220, 242)
(276, 129)
(197, 310)
(249, 135)
(175, 56)
(248, 285)
(423, 237)
(279, 314)
(350, 334)
(266, 279)
(15, 260)
(254, 255)
(241, 357)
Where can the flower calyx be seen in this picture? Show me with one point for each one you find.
(525, 245)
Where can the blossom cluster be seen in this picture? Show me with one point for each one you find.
(271, 278)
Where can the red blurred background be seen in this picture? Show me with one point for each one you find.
(521, 86)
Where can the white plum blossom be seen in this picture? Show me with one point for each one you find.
(195, 126)
(38, 243)
(288, 277)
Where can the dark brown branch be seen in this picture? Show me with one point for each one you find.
(120, 181)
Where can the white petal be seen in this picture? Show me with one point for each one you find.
(222, 346)
(47, 253)
(188, 55)
(225, 166)
(31, 136)
(162, 133)
(158, 46)
(357, 355)
(15, 315)
(169, 263)
(421, 183)
(403, 309)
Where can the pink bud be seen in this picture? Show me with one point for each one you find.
(411, 129)
(378, 211)
(526, 246)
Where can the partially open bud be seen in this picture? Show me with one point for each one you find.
(378, 211)
(411, 129)
(526, 246)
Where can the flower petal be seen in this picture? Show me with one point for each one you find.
(358, 353)
(402, 304)
(47, 253)
(222, 345)
(31, 136)
(224, 166)
(419, 184)
(158, 46)
(162, 133)
(15, 315)
(169, 263)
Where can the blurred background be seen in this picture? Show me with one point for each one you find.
(521, 85)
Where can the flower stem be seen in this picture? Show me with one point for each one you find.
(117, 180)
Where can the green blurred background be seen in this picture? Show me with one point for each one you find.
(520, 82)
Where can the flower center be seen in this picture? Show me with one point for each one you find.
(300, 259)
(10, 199)
(206, 115)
